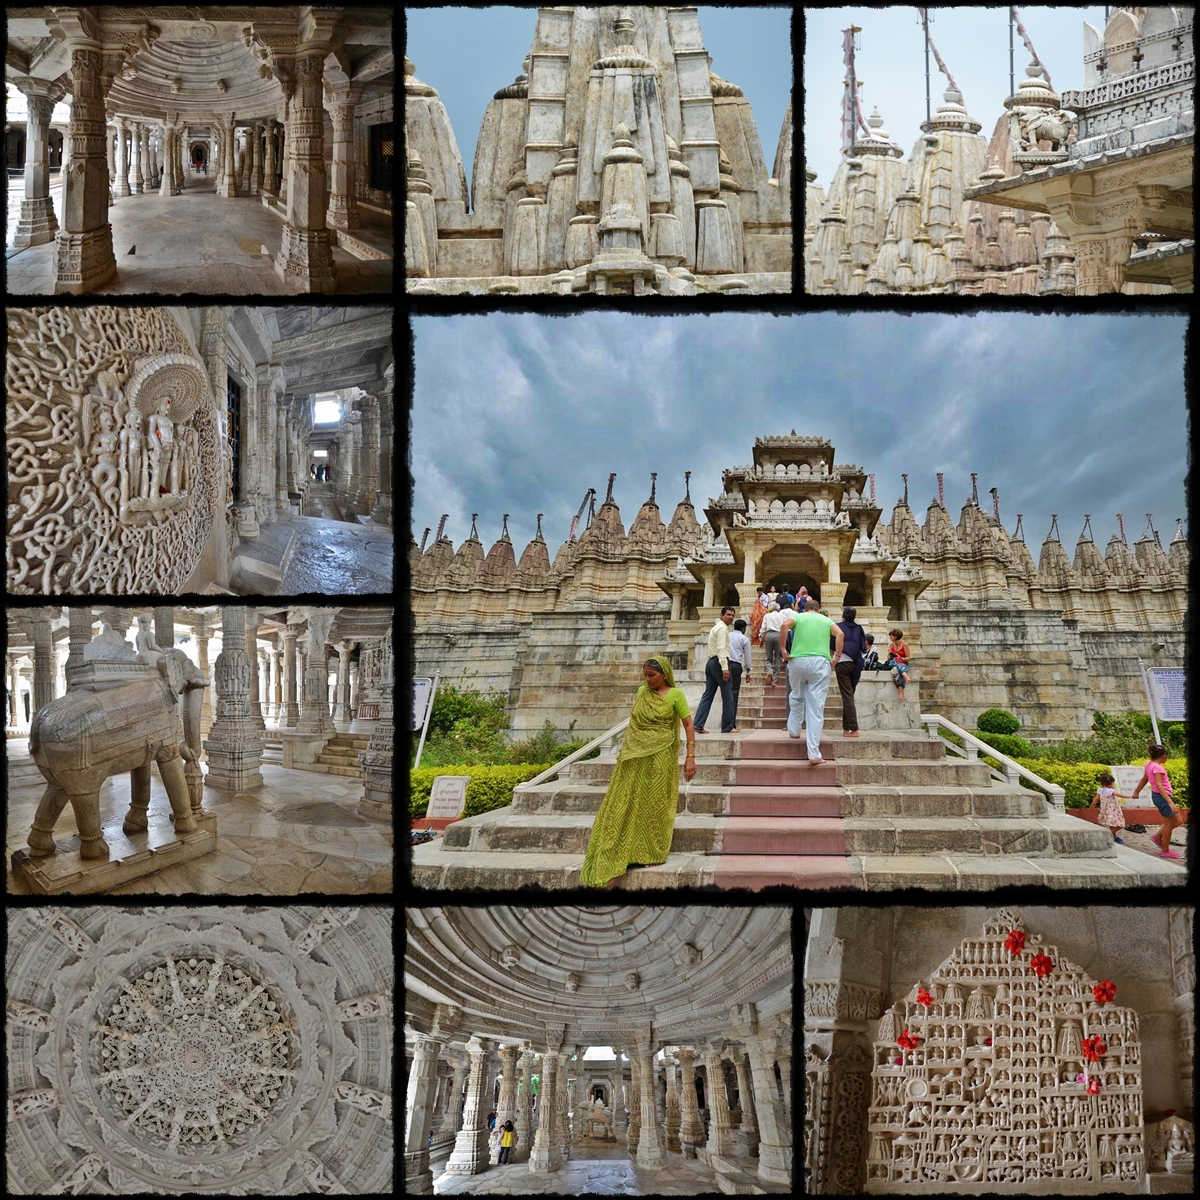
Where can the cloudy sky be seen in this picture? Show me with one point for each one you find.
(973, 43)
(522, 414)
(468, 54)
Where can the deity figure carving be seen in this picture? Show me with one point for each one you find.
(104, 473)
(162, 444)
(147, 647)
(134, 483)
(110, 646)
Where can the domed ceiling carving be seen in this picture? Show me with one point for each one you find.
(232, 1050)
(599, 971)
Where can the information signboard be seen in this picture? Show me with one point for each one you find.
(448, 797)
(422, 689)
(1168, 691)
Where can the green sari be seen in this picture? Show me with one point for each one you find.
(637, 814)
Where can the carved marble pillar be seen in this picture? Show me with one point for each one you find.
(546, 1154)
(121, 183)
(747, 1132)
(368, 487)
(83, 248)
(470, 1154)
(170, 168)
(234, 744)
(376, 759)
(382, 513)
(38, 222)
(43, 657)
(419, 1115)
(344, 649)
(110, 139)
(137, 180)
(650, 1154)
(523, 1122)
(291, 711)
(783, 1060)
(268, 181)
(148, 167)
(314, 717)
(306, 256)
(285, 131)
(282, 499)
(620, 1116)
(202, 630)
(564, 1107)
(79, 635)
(720, 1128)
(774, 1146)
(15, 715)
(452, 1121)
(1183, 971)
(274, 702)
(691, 1131)
(633, 1136)
(506, 1108)
(227, 185)
(343, 208)
(256, 716)
(256, 158)
(164, 627)
(671, 1125)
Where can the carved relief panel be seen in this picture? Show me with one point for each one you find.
(999, 1076)
(112, 451)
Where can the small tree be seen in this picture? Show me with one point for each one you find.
(997, 720)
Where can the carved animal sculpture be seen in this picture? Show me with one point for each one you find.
(82, 738)
(1037, 125)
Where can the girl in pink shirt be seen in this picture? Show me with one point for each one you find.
(1155, 775)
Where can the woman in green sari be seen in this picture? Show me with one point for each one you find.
(637, 814)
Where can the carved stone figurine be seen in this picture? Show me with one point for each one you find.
(133, 466)
(104, 447)
(80, 739)
(162, 443)
(147, 647)
(110, 646)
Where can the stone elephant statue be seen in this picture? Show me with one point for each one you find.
(1036, 125)
(82, 738)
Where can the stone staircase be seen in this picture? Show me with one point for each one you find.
(888, 809)
(340, 755)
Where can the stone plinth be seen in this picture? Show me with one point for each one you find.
(301, 747)
(880, 705)
(131, 856)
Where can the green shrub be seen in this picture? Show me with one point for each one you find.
(1174, 736)
(490, 787)
(1008, 743)
(454, 704)
(469, 743)
(1080, 780)
(546, 746)
(997, 720)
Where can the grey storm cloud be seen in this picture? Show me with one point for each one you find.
(1065, 415)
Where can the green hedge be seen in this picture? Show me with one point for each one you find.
(490, 787)
(1007, 743)
(997, 720)
(1080, 780)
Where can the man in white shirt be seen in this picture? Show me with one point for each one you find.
(739, 664)
(717, 674)
(770, 635)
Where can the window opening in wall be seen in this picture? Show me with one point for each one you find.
(326, 409)
(381, 156)
(234, 393)
(320, 454)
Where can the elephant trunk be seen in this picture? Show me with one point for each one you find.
(189, 709)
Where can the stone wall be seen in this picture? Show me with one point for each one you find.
(1127, 945)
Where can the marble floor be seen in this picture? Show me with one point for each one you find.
(595, 1168)
(333, 557)
(297, 833)
(194, 242)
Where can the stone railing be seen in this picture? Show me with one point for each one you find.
(596, 743)
(1112, 91)
(1012, 771)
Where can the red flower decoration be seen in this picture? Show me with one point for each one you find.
(1015, 942)
(1042, 964)
(1093, 1086)
(1104, 991)
(907, 1041)
(1168, 1112)
(900, 1062)
(1094, 1048)
(924, 997)
(987, 1041)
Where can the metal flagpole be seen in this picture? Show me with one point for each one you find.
(1149, 701)
(425, 722)
(928, 111)
(1012, 83)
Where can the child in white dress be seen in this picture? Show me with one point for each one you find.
(1109, 801)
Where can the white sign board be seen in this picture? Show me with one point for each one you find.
(448, 797)
(1168, 688)
(1125, 779)
(422, 688)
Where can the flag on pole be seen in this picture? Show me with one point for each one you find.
(937, 57)
(1029, 46)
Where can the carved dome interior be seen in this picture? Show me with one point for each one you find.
(514, 971)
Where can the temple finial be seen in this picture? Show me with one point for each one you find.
(1053, 535)
(975, 488)
(442, 526)
(612, 475)
(537, 537)
(474, 531)
(653, 486)
(904, 476)
(941, 478)
(687, 487)
(1019, 532)
(872, 478)
(1121, 527)
(1085, 534)
(504, 531)
(424, 539)
(995, 494)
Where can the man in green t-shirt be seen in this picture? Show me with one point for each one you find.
(806, 661)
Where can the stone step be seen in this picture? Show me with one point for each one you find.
(328, 769)
(433, 867)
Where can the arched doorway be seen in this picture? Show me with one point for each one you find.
(56, 149)
(797, 566)
(198, 156)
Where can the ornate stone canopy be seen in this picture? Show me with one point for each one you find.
(510, 969)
